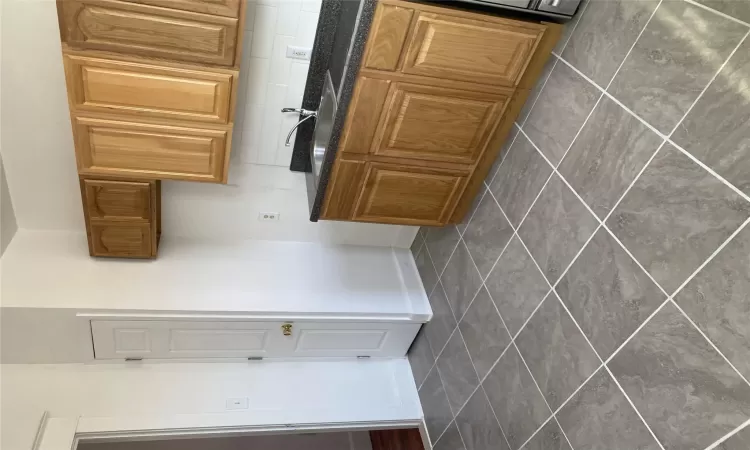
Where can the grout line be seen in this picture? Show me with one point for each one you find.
(632, 405)
(637, 330)
(709, 340)
(583, 125)
(494, 175)
(492, 408)
(544, 83)
(713, 78)
(713, 255)
(729, 435)
(711, 171)
(612, 97)
(432, 263)
(718, 13)
(638, 38)
(473, 213)
(440, 275)
(463, 442)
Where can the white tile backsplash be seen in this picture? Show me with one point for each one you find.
(271, 81)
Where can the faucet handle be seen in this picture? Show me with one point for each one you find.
(304, 112)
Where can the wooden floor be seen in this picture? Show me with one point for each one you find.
(406, 439)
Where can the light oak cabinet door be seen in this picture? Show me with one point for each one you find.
(458, 48)
(145, 30)
(119, 239)
(139, 150)
(437, 124)
(147, 90)
(408, 195)
(117, 200)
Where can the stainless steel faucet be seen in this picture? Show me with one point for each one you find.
(306, 113)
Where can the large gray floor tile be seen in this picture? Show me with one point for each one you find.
(450, 440)
(604, 34)
(442, 324)
(520, 179)
(550, 437)
(556, 352)
(559, 112)
(608, 294)
(718, 301)
(437, 411)
(416, 245)
(609, 153)
(504, 151)
(478, 425)
(717, 129)
(675, 216)
(460, 280)
(516, 286)
(487, 234)
(537, 89)
(599, 417)
(421, 357)
(740, 441)
(484, 333)
(556, 228)
(457, 372)
(674, 59)
(441, 241)
(461, 227)
(514, 397)
(685, 390)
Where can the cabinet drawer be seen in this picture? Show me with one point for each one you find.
(227, 8)
(105, 85)
(138, 150)
(146, 30)
(117, 200)
(118, 239)
(399, 194)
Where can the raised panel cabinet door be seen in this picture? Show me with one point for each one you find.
(139, 150)
(387, 34)
(117, 200)
(436, 123)
(145, 30)
(118, 239)
(458, 48)
(399, 194)
(147, 90)
(227, 8)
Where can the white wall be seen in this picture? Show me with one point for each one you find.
(37, 147)
(8, 225)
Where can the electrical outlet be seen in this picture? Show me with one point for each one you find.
(268, 216)
(237, 403)
(294, 52)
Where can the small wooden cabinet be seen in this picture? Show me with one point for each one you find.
(436, 95)
(123, 217)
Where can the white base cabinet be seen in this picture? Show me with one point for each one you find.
(168, 339)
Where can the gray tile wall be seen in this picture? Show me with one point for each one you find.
(599, 295)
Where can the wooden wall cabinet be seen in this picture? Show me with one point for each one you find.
(436, 95)
(152, 86)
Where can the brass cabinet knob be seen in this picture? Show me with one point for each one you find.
(287, 329)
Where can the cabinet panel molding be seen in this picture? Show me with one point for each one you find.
(227, 8)
(146, 30)
(120, 239)
(147, 90)
(387, 35)
(130, 149)
(458, 48)
(433, 123)
(408, 195)
(364, 112)
(343, 190)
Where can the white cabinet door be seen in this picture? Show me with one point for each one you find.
(119, 339)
